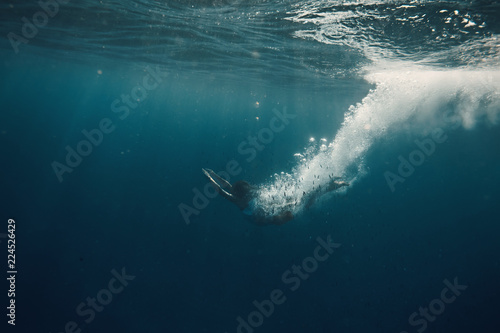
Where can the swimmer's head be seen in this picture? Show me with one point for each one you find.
(241, 189)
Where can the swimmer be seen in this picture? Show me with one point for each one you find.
(243, 195)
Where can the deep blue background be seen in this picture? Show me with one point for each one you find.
(120, 210)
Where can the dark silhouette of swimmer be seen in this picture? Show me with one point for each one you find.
(243, 195)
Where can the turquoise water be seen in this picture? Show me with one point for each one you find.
(110, 110)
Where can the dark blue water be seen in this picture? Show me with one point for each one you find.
(110, 110)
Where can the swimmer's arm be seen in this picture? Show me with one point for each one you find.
(341, 183)
(336, 184)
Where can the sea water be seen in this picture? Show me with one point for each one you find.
(111, 109)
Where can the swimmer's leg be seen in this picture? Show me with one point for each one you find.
(219, 187)
(221, 181)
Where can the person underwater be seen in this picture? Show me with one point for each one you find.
(244, 196)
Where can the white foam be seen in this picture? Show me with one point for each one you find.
(405, 97)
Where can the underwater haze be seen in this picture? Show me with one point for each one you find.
(110, 110)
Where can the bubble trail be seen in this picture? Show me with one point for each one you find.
(420, 95)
